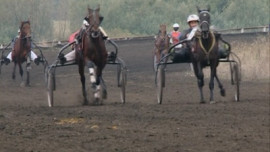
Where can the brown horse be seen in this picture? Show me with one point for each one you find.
(93, 54)
(204, 52)
(161, 44)
(21, 52)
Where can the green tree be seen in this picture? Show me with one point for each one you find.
(124, 17)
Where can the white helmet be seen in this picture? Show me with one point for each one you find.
(19, 30)
(176, 25)
(193, 17)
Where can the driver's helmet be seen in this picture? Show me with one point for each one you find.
(193, 17)
(175, 25)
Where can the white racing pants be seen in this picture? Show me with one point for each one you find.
(70, 56)
(33, 56)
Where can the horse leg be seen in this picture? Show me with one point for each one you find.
(28, 68)
(91, 68)
(81, 72)
(200, 79)
(14, 70)
(101, 83)
(21, 73)
(27, 78)
(94, 80)
(211, 83)
(222, 90)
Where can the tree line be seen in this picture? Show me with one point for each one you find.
(56, 19)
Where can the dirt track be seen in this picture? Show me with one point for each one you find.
(141, 125)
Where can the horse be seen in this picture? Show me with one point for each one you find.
(161, 44)
(21, 51)
(93, 55)
(204, 52)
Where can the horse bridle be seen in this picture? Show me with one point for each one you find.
(206, 34)
(21, 31)
(162, 39)
(90, 32)
(25, 37)
(206, 23)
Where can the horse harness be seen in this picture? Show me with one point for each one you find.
(162, 41)
(213, 42)
(86, 31)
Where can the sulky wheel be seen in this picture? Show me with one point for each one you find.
(154, 62)
(50, 88)
(160, 82)
(122, 81)
(236, 81)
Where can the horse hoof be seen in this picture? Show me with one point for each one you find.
(97, 96)
(27, 85)
(28, 68)
(213, 102)
(85, 103)
(22, 84)
(96, 102)
(202, 102)
(223, 92)
(104, 94)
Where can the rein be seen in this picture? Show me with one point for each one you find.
(204, 22)
(26, 37)
(89, 30)
(212, 45)
(162, 37)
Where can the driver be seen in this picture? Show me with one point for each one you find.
(175, 34)
(193, 22)
(182, 54)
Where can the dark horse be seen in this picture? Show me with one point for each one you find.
(161, 44)
(204, 52)
(93, 54)
(21, 52)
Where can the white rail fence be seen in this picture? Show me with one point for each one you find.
(246, 30)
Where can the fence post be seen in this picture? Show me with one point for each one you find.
(242, 30)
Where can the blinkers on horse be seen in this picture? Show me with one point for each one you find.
(204, 16)
(94, 21)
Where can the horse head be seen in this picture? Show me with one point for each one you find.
(162, 36)
(94, 22)
(204, 16)
(162, 29)
(25, 29)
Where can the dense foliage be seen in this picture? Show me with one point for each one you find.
(56, 19)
